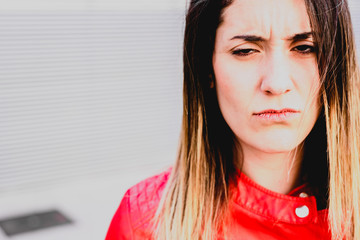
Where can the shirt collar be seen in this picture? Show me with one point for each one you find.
(289, 208)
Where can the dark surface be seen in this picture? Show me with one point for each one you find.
(31, 222)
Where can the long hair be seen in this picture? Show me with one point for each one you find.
(337, 63)
(195, 200)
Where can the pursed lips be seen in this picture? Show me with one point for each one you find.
(277, 115)
(277, 111)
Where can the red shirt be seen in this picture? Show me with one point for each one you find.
(256, 213)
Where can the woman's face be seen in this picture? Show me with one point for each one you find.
(267, 80)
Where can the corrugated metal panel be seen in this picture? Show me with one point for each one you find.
(85, 93)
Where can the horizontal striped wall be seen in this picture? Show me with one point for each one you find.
(85, 93)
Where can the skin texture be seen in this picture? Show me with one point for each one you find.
(270, 70)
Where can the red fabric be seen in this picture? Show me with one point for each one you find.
(256, 213)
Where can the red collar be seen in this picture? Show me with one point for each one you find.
(274, 206)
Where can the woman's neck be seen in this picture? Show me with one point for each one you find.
(278, 172)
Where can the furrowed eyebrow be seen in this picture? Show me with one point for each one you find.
(249, 38)
(300, 36)
(254, 38)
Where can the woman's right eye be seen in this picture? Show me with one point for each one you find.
(244, 52)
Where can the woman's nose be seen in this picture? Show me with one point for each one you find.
(276, 77)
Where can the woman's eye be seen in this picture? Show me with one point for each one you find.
(244, 52)
(304, 49)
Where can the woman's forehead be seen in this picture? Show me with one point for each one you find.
(267, 18)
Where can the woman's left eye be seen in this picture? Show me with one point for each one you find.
(304, 49)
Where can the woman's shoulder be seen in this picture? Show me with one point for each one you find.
(146, 195)
(137, 208)
(148, 187)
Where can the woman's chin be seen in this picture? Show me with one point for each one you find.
(278, 148)
(274, 143)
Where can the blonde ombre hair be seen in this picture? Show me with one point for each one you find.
(194, 204)
(338, 67)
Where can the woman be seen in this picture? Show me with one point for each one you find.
(269, 148)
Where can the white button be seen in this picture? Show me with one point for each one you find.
(303, 195)
(302, 211)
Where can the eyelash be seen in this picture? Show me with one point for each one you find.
(309, 49)
(300, 49)
(243, 52)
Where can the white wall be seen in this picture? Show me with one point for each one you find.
(90, 103)
(46, 5)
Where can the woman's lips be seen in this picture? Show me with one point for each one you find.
(277, 115)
